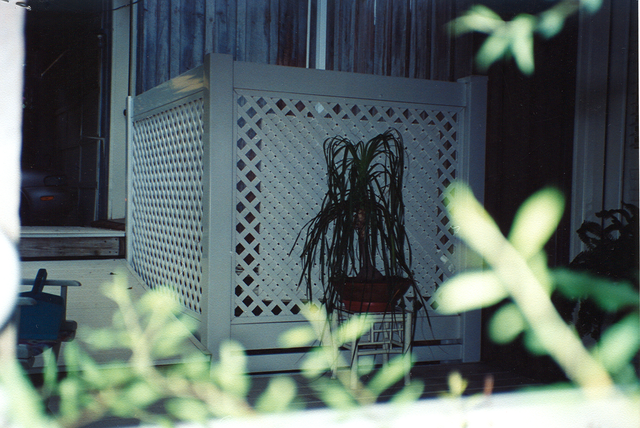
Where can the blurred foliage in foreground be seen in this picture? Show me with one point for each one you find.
(153, 329)
(517, 270)
(159, 385)
(514, 38)
(611, 251)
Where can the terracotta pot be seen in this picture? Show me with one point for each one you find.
(366, 296)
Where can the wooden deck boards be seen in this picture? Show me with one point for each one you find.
(433, 376)
(51, 242)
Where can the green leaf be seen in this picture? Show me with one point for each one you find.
(366, 364)
(170, 340)
(103, 338)
(610, 296)
(468, 291)
(187, 409)
(158, 302)
(619, 344)
(410, 393)
(70, 390)
(20, 400)
(540, 268)
(536, 220)
(389, 374)
(278, 396)
(550, 23)
(476, 227)
(457, 384)
(493, 48)
(482, 11)
(591, 6)
(479, 18)
(230, 372)
(317, 362)
(50, 375)
(353, 329)
(196, 369)
(73, 356)
(506, 324)
(297, 337)
(336, 396)
(533, 343)
(522, 42)
(92, 374)
(141, 394)
(116, 376)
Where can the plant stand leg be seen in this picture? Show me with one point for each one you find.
(354, 363)
(335, 350)
(406, 342)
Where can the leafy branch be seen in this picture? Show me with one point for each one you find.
(517, 270)
(193, 388)
(515, 38)
(326, 357)
(152, 329)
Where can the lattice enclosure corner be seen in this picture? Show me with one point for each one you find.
(226, 166)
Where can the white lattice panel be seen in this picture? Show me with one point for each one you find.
(166, 196)
(280, 184)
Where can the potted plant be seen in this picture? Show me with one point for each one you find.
(611, 252)
(358, 238)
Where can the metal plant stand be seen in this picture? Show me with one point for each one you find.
(389, 333)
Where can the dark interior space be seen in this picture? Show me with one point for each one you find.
(530, 121)
(65, 119)
(529, 146)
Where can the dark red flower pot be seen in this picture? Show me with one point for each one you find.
(367, 296)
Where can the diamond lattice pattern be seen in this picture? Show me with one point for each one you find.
(167, 190)
(280, 184)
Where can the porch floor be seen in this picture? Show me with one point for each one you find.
(434, 377)
(90, 308)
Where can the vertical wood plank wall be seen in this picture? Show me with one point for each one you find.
(401, 38)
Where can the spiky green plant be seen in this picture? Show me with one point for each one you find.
(359, 230)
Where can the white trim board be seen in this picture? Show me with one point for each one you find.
(69, 232)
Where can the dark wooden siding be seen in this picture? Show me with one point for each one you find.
(397, 38)
(388, 37)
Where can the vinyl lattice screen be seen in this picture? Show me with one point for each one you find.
(167, 196)
(280, 182)
(226, 166)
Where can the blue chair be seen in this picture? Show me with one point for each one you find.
(42, 319)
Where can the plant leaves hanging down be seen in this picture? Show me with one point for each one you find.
(359, 230)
